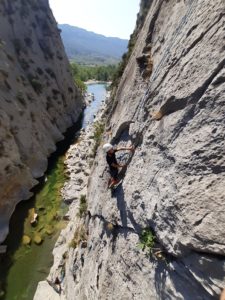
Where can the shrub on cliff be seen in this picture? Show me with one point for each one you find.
(98, 131)
(80, 236)
(147, 240)
(144, 8)
(83, 206)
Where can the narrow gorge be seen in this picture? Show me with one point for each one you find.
(39, 100)
(170, 105)
(160, 234)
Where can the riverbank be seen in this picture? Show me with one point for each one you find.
(78, 164)
(23, 266)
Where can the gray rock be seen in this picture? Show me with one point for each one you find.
(174, 114)
(47, 292)
(172, 108)
(38, 99)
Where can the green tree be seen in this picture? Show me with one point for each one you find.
(100, 73)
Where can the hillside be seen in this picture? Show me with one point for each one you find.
(90, 48)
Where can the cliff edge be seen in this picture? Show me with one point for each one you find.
(38, 98)
(170, 105)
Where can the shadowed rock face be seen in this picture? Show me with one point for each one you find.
(38, 98)
(175, 180)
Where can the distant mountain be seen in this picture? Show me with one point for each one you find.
(91, 48)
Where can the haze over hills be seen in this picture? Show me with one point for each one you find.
(91, 48)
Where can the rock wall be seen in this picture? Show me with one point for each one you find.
(38, 98)
(170, 104)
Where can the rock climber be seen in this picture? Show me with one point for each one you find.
(114, 166)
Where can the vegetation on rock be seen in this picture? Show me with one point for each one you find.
(144, 8)
(98, 131)
(147, 240)
(80, 235)
(83, 206)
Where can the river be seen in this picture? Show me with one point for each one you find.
(22, 267)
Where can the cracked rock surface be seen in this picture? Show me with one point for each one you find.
(38, 98)
(175, 180)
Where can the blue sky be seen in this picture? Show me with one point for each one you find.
(114, 18)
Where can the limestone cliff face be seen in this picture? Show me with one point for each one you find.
(170, 104)
(38, 98)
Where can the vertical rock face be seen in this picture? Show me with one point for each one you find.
(38, 98)
(170, 104)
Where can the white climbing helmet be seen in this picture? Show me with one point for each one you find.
(107, 147)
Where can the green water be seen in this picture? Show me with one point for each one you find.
(24, 266)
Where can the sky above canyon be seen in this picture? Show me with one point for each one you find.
(115, 18)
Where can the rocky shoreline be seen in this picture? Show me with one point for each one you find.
(78, 162)
(89, 97)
